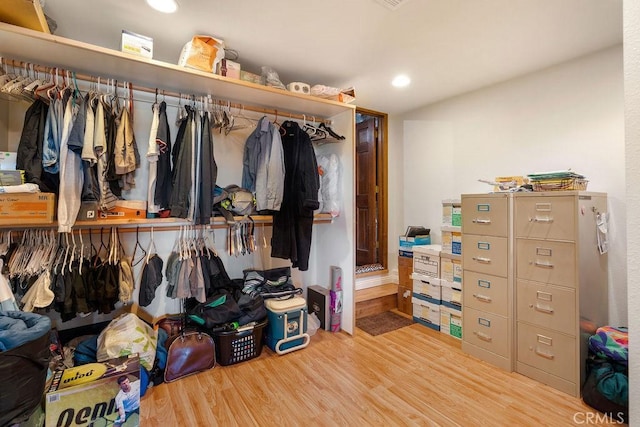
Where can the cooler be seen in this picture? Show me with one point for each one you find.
(287, 327)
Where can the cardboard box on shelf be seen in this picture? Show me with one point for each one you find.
(251, 77)
(136, 44)
(127, 209)
(10, 177)
(87, 394)
(229, 68)
(27, 208)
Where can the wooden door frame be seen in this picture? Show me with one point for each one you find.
(382, 177)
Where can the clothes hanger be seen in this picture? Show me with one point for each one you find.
(92, 250)
(135, 248)
(101, 247)
(151, 250)
(331, 132)
(81, 246)
(42, 91)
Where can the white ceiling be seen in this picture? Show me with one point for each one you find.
(447, 47)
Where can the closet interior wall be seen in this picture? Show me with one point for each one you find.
(332, 244)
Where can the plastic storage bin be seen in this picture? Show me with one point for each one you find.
(242, 344)
(287, 328)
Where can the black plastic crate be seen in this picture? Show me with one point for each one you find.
(242, 344)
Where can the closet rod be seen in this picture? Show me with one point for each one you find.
(86, 77)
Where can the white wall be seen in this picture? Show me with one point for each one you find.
(568, 116)
(632, 127)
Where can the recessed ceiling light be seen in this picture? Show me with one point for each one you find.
(401, 81)
(164, 6)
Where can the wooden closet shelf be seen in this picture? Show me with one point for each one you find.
(159, 224)
(30, 46)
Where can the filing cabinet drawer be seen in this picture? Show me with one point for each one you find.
(486, 292)
(546, 261)
(546, 305)
(486, 330)
(545, 217)
(547, 350)
(485, 254)
(485, 215)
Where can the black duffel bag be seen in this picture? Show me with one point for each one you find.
(226, 307)
(272, 283)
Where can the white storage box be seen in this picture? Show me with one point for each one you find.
(451, 321)
(451, 296)
(451, 271)
(426, 313)
(426, 288)
(426, 260)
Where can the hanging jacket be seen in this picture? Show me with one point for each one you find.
(29, 153)
(208, 174)
(152, 157)
(111, 123)
(71, 174)
(52, 136)
(126, 156)
(163, 180)
(101, 147)
(293, 224)
(263, 166)
(180, 196)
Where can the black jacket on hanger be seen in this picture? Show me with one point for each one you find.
(293, 224)
(29, 155)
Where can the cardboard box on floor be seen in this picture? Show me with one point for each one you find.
(86, 394)
(143, 314)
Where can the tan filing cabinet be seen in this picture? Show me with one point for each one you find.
(488, 294)
(561, 284)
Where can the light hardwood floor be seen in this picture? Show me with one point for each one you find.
(409, 377)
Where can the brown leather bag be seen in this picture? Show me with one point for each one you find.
(172, 325)
(189, 353)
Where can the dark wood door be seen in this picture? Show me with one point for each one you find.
(366, 216)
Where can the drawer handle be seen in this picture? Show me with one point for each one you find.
(542, 309)
(483, 337)
(482, 297)
(482, 260)
(545, 355)
(545, 219)
(481, 221)
(543, 264)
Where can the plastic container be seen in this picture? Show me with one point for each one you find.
(242, 344)
(287, 329)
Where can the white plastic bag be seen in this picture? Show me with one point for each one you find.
(329, 195)
(128, 334)
(313, 324)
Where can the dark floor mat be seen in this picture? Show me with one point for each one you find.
(383, 322)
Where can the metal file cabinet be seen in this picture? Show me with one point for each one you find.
(561, 284)
(488, 290)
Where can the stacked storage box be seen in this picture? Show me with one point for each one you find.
(426, 285)
(451, 227)
(405, 268)
(451, 269)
